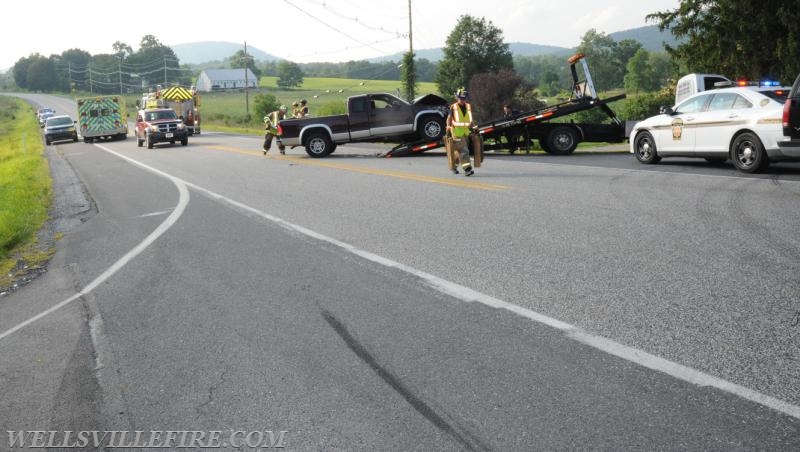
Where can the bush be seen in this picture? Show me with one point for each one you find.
(264, 104)
(647, 104)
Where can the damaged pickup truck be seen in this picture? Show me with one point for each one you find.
(370, 118)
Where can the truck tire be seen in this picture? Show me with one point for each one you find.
(184, 141)
(562, 140)
(431, 128)
(318, 145)
(148, 141)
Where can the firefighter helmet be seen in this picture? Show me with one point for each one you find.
(283, 108)
(462, 93)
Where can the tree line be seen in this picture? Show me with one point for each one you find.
(736, 38)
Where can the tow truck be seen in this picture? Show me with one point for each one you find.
(559, 138)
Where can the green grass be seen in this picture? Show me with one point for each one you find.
(25, 185)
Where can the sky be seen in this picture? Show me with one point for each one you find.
(309, 30)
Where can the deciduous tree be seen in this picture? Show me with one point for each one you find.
(737, 38)
(474, 46)
(289, 75)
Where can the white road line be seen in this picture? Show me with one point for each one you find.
(154, 214)
(183, 200)
(452, 289)
(676, 173)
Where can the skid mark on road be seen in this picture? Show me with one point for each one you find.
(454, 182)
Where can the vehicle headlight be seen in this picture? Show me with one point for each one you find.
(181, 126)
(154, 129)
(71, 129)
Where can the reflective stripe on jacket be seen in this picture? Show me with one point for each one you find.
(460, 125)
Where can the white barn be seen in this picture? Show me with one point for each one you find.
(221, 79)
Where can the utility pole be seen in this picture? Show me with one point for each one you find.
(90, 78)
(120, 75)
(165, 71)
(410, 39)
(246, 94)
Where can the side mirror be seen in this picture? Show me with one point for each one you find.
(664, 110)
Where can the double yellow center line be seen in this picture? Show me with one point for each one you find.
(465, 183)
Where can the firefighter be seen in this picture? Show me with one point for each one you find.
(303, 112)
(296, 110)
(271, 126)
(460, 125)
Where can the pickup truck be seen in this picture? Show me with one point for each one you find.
(370, 118)
(790, 146)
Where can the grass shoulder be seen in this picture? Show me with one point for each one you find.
(25, 191)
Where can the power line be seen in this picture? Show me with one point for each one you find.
(329, 26)
(357, 20)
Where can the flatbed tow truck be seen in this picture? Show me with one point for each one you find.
(559, 138)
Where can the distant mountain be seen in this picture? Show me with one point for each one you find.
(203, 52)
(649, 36)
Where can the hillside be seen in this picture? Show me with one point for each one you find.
(203, 52)
(649, 36)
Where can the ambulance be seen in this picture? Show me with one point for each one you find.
(102, 117)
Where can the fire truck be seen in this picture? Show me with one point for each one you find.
(185, 103)
(554, 137)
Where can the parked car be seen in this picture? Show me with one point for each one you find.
(59, 128)
(790, 145)
(43, 114)
(741, 124)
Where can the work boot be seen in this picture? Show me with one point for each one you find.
(454, 170)
(469, 173)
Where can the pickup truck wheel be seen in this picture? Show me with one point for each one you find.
(562, 140)
(319, 145)
(748, 154)
(644, 148)
(432, 128)
(184, 142)
(148, 141)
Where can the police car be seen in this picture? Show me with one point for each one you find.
(740, 123)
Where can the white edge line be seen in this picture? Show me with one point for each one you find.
(466, 294)
(458, 291)
(677, 173)
(183, 200)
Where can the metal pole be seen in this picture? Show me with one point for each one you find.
(246, 94)
(120, 76)
(165, 71)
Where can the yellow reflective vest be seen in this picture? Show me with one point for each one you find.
(460, 123)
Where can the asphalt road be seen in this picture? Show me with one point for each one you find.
(358, 303)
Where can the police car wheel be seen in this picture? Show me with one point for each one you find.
(644, 147)
(748, 154)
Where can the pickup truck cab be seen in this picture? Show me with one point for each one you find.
(160, 125)
(790, 145)
(372, 118)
